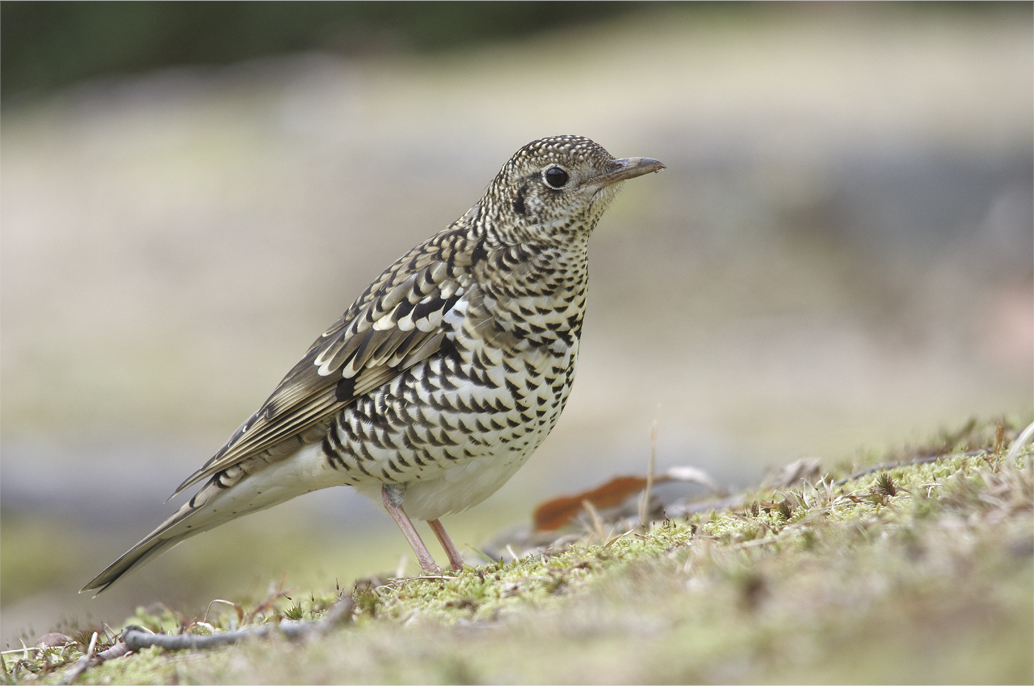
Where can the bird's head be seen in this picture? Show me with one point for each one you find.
(558, 186)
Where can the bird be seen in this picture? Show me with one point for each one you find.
(439, 382)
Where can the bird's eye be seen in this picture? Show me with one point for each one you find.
(556, 177)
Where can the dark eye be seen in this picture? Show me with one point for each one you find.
(556, 177)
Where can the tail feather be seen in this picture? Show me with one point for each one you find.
(169, 533)
(234, 492)
(207, 509)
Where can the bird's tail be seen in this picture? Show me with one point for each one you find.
(229, 494)
(191, 519)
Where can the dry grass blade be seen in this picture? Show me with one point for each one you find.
(594, 518)
(644, 502)
(274, 595)
(92, 659)
(1021, 441)
(238, 609)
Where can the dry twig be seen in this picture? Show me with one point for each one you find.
(137, 638)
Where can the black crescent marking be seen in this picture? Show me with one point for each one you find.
(345, 390)
(518, 203)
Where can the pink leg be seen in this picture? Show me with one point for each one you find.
(450, 548)
(391, 495)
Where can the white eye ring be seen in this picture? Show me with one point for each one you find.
(555, 177)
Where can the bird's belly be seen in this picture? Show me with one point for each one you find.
(465, 485)
(453, 433)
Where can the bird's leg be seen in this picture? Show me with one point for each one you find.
(392, 496)
(450, 548)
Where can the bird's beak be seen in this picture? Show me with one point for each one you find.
(623, 169)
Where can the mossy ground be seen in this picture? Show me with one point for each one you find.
(918, 573)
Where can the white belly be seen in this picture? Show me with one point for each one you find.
(460, 487)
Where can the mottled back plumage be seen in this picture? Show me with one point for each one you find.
(444, 376)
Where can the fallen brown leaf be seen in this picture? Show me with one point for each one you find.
(553, 514)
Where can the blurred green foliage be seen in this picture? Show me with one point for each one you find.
(46, 45)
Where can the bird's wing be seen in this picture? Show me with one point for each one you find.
(396, 323)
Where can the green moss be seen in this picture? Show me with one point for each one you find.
(919, 572)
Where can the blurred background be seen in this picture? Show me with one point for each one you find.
(838, 255)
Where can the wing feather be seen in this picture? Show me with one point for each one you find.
(395, 324)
